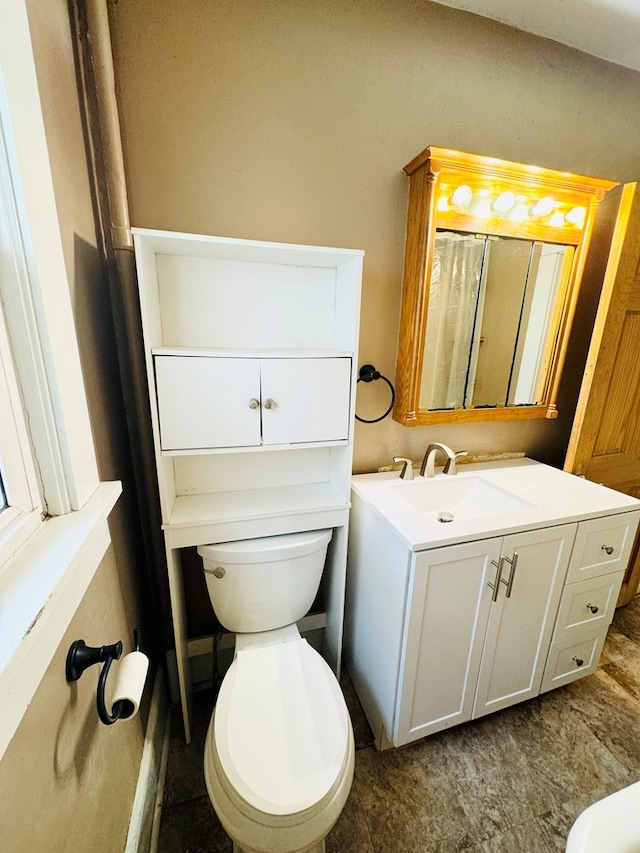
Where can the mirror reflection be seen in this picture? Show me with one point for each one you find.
(493, 314)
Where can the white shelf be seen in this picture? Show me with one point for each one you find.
(225, 516)
(251, 251)
(222, 298)
(234, 352)
(263, 448)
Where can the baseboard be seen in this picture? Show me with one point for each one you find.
(145, 814)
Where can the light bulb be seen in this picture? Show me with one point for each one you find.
(504, 202)
(543, 207)
(557, 219)
(462, 195)
(576, 215)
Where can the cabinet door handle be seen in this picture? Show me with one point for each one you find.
(593, 608)
(270, 404)
(608, 549)
(513, 562)
(496, 583)
(579, 661)
(254, 404)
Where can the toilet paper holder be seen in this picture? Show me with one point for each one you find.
(81, 656)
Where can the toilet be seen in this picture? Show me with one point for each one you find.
(279, 752)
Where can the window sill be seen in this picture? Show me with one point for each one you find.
(40, 590)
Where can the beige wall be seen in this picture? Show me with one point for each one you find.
(288, 120)
(67, 781)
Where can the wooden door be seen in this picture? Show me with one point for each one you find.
(521, 620)
(605, 440)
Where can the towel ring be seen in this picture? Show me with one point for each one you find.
(368, 373)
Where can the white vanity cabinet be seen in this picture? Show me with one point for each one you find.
(437, 636)
(250, 350)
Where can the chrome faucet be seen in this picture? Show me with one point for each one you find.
(427, 469)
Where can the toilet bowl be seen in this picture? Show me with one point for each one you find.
(609, 825)
(279, 752)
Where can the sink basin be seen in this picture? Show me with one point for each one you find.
(459, 497)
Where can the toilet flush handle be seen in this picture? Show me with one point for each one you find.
(219, 572)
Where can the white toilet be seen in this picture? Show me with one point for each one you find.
(279, 752)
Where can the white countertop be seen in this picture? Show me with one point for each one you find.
(556, 498)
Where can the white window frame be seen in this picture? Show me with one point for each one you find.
(55, 534)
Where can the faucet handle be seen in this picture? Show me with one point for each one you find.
(450, 465)
(406, 473)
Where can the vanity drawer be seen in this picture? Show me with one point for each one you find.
(572, 658)
(602, 546)
(587, 604)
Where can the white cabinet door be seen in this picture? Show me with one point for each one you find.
(521, 620)
(210, 402)
(448, 604)
(207, 402)
(305, 399)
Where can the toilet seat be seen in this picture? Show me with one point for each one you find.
(281, 727)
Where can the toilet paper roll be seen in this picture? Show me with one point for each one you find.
(129, 684)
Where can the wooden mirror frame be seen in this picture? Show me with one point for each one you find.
(433, 173)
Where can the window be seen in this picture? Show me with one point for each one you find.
(19, 498)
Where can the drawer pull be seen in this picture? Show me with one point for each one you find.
(608, 549)
(496, 583)
(514, 564)
(593, 608)
(578, 660)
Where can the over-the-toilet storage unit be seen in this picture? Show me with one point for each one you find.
(250, 351)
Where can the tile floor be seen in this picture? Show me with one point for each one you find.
(512, 782)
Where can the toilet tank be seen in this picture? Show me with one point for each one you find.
(263, 584)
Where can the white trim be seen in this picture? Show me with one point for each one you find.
(145, 815)
(40, 590)
(39, 315)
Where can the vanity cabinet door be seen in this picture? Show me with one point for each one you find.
(448, 605)
(521, 620)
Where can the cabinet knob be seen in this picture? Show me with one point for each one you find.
(270, 404)
(593, 608)
(608, 549)
(254, 404)
(579, 661)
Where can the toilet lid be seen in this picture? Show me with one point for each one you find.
(281, 727)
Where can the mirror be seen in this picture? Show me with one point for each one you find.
(493, 259)
(486, 342)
